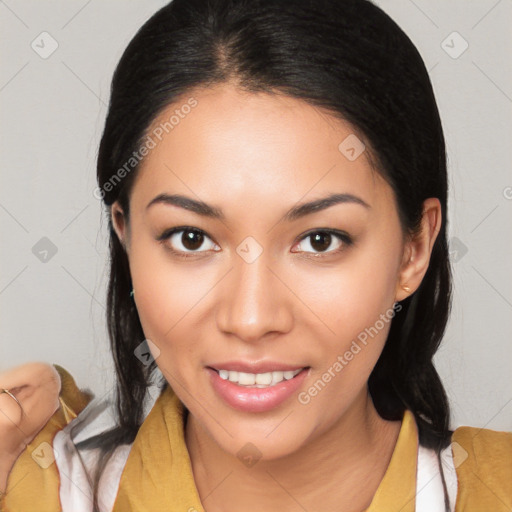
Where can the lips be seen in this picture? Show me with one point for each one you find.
(255, 399)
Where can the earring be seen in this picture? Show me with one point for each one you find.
(406, 288)
(132, 292)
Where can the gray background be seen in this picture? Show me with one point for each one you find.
(52, 306)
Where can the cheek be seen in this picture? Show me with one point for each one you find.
(351, 296)
(356, 304)
(345, 360)
(168, 295)
(371, 279)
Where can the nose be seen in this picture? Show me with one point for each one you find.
(255, 301)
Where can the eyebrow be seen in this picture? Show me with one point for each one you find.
(298, 211)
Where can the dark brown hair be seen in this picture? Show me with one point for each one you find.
(346, 56)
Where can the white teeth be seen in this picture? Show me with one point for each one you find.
(264, 378)
(259, 380)
(246, 379)
(277, 377)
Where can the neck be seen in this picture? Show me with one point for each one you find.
(337, 470)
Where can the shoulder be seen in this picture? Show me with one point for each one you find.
(483, 462)
(483, 449)
(34, 478)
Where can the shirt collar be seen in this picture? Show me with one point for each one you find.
(397, 489)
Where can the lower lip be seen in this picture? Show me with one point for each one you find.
(255, 399)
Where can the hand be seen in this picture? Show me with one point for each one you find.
(37, 386)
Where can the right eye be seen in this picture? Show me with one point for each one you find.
(184, 241)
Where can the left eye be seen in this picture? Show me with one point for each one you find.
(322, 240)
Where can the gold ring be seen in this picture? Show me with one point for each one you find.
(11, 395)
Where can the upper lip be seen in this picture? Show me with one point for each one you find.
(256, 367)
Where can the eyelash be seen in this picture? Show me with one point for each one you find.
(346, 240)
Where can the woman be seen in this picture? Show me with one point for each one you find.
(274, 174)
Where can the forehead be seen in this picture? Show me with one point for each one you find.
(254, 149)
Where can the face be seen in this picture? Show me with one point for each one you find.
(255, 289)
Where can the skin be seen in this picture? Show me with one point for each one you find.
(36, 385)
(255, 156)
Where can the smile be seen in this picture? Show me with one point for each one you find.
(257, 380)
(256, 392)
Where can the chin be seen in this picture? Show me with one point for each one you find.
(270, 443)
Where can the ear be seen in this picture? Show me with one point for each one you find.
(119, 223)
(418, 249)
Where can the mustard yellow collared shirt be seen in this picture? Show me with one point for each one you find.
(158, 474)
